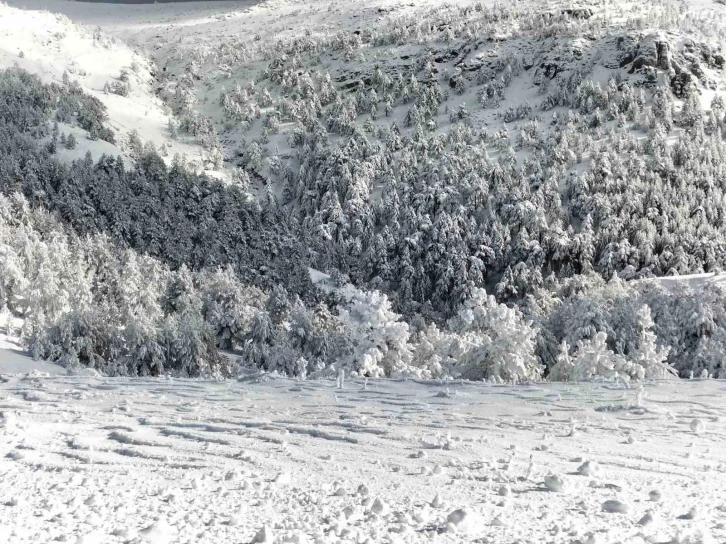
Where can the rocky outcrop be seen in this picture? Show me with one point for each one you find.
(684, 64)
(662, 55)
(547, 70)
(653, 51)
(578, 13)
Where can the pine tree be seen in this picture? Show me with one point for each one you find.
(650, 359)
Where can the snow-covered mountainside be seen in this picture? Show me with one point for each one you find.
(93, 460)
(470, 199)
(482, 190)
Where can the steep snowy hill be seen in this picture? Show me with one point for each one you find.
(275, 461)
(205, 50)
(51, 45)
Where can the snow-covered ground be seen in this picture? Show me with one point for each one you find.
(692, 280)
(97, 460)
(13, 357)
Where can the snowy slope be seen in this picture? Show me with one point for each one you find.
(112, 461)
(692, 280)
(48, 44)
(224, 44)
(13, 358)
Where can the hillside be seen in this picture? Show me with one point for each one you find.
(482, 191)
(51, 45)
(500, 227)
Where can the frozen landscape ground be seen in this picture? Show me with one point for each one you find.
(98, 460)
(566, 157)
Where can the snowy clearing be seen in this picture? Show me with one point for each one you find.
(96, 460)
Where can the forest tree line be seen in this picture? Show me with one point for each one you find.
(154, 269)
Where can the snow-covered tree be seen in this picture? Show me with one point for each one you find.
(494, 342)
(649, 358)
(380, 340)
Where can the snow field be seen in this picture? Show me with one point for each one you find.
(94, 460)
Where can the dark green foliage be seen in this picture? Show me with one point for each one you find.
(169, 213)
(73, 105)
(26, 103)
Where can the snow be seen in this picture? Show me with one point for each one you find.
(13, 358)
(158, 460)
(48, 44)
(89, 459)
(691, 280)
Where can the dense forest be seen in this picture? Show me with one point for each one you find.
(525, 263)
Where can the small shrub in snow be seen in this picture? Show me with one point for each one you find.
(516, 113)
(649, 359)
(593, 359)
(120, 88)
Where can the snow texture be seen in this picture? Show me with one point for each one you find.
(102, 460)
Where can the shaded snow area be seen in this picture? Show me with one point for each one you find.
(93, 460)
(13, 357)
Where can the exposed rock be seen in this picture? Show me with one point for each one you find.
(681, 84)
(546, 70)
(663, 55)
(578, 13)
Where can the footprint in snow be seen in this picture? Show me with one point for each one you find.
(691, 514)
(264, 536)
(614, 506)
(379, 507)
(159, 532)
(498, 522)
(92, 500)
(648, 519)
(463, 521)
(90, 538)
(284, 478)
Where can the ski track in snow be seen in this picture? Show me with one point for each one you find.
(99, 460)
